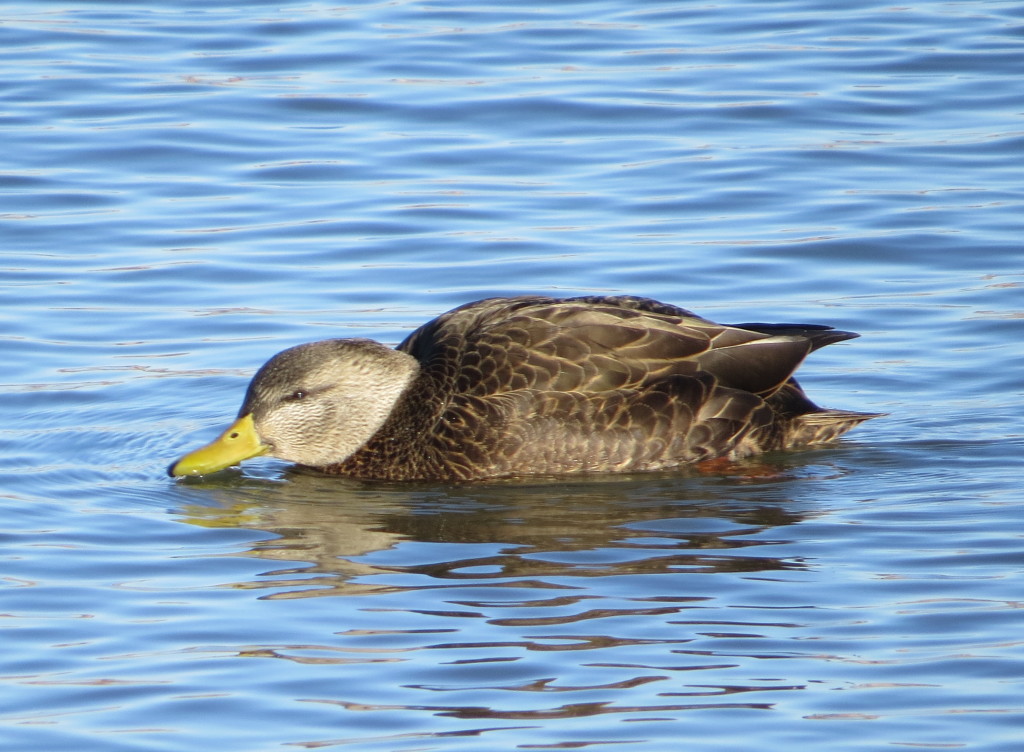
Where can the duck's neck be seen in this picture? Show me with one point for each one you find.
(401, 447)
(384, 397)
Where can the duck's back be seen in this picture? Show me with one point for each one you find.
(532, 385)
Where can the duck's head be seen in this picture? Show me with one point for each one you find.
(314, 404)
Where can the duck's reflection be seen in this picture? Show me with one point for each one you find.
(345, 535)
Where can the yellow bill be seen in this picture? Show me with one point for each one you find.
(239, 442)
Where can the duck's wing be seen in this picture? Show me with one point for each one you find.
(597, 344)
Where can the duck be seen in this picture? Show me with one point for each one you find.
(533, 385)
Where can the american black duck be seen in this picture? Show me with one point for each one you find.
(533, 385)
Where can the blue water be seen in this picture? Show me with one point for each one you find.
(187, 188)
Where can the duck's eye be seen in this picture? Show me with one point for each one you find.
(295, 396)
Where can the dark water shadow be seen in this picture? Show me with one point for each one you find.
(338, 531)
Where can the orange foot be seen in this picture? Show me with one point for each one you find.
(745, 470)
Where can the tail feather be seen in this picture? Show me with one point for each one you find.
(800, 422)
(822, 426)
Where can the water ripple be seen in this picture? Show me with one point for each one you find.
(189, 188)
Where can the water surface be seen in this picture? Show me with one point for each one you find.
(187, 188)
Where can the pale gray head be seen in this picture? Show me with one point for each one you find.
(316, 404)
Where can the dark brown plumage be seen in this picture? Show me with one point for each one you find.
(535, 385)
